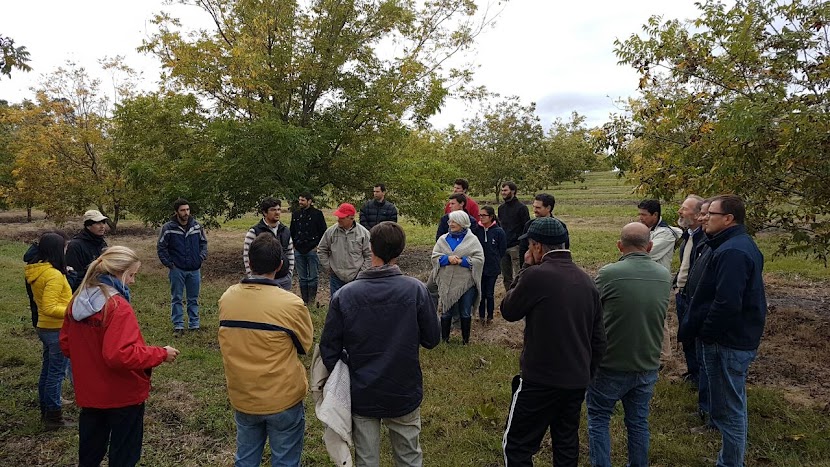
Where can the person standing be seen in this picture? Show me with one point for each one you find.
(377, 210)
(494, 242)
(692, 237)
(85, 246)
(457, 202)
(564, 341)
(344, 249)
(513, 215)
(307, 228)
(543, 205)
(271, 208)
(727, 312)
(377, 322)
(262, 331)
(460, 186)
(182, 247)
(634, 293)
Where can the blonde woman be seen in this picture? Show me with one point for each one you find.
(111, 364)
(457, 265)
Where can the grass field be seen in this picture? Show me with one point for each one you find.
(466, 389)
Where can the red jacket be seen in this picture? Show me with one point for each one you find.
(111, 363)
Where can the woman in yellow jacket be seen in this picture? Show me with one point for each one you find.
(52, 294)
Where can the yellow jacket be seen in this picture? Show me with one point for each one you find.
(52, 293)
(262, 329)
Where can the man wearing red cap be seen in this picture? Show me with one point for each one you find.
(344, 249)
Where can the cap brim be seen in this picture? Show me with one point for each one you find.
(524, 237)
(99, 219)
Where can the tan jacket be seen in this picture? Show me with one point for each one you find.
(262, 329)
(345, 252)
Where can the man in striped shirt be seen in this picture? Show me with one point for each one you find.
(270, 222)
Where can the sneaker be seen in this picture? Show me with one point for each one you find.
(196, 329)
(178, 332)
(65, 402)
(489, 321)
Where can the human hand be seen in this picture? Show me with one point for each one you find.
(171, 354)
(529, 258)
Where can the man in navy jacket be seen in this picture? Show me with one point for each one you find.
(727, 313)
(376, 323)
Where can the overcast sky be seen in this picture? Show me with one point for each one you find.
(557, 54)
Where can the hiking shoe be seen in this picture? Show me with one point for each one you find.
(178, 332)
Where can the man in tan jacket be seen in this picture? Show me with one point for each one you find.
(344, 250)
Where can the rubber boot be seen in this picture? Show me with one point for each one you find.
(465, 329)
(304, 294)
(312, 296)
(446, 326)
(53, 420)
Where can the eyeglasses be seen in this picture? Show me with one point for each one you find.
(712, 213)
(484, 215)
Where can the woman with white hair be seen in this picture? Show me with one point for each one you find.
(457, 264)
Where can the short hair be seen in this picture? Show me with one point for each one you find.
(650, 205)
(381, 186)
(51, 247)
(490, 211)
(699, 201)
(547, 200)
(268, 203)
(265, 254)
(465, 185)
(635, 239)
(548, 247)
(387, 240)
(732, 204)
(462, 200)
(179, 203)
(510, 185)
(307, 195)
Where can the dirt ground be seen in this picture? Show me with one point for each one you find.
(793, 355)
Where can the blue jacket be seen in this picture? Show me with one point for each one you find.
(494, 242)
(728, 304)
(182, 247)
(376, 323)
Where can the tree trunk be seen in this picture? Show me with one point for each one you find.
(28, 213)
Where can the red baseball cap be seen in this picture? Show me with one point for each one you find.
(344, 210)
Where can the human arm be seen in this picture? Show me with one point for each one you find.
(123, 346)
(364, 215)
(324, 250)
(393, 216)
(733, 271)
(246, 246)
(662, 244)
(56, 295)
(63, 337)
(443, 227)
(331, 339)
(78, 261)
(428, 326)
(520, 298)
(161, 248)
(367, 253)
(290, 255)
(203, 248)
(599, 341)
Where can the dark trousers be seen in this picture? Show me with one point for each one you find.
(121, 428)
(534, 409)
(689, 351)
(487, 304)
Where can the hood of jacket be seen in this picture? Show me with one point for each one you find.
(88, 236)
(34, 271)
(89, 301)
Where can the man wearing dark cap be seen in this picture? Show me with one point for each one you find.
(86, 246)
(344, 249)
(564, 342)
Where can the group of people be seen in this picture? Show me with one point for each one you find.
(594, 340)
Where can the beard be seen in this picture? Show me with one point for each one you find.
(683, 222)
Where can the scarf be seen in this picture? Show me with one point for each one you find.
(454, 280)
(116, 284)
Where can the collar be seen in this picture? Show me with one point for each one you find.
(387, 270)
(635, 254)
(556, 251)
(259, 280)
(724, 235)
(262, 221)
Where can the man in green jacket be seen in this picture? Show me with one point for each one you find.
(634, 293)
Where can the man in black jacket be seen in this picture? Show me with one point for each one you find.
(86, 247)
(377, 210)
(377, 322)
(513, 215)
(564, 341)
(307, 228)
(692, 237)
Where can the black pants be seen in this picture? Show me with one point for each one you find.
(121, 428)
(534, 409)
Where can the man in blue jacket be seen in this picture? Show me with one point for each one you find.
(182, 247)
(376, 324)
(727, 313)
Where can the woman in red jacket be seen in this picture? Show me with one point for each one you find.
(111, 363)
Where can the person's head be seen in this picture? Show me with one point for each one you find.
(703, 215)
(725, 211)
(95, 222)
(270, 208)
(181, 208)
(460, 185)
(458, 221)
(265, 254)
(117, 261)
(508, 190)
(689, 211)
(52, 250)
(387, 240)
(457, 202)
(543, 204)
(305, 200)
(634, 237)
(649, 212)
(379, 191)
(345, 215)
(545, 234)
(487, 215)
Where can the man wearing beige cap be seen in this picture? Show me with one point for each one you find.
(344, 249)
(86, 246)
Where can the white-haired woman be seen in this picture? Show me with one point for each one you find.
(457, 264)
(111, 363)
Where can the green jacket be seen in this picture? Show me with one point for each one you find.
(634, 293)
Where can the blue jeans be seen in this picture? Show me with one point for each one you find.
(726, 369)
(52, 371)
(307, 267)
(488, 288)
(702, 383)
(179, 281)
(284, 431)
(634, 389)
(463, 307)
(335, 283)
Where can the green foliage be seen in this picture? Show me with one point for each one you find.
(735, 101)
(12, 56)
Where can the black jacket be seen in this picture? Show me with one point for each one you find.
(30, 257)
(373, 213)
(377, 323)
(494, 243)
(83, 249)
(307, 228)
(513, 215)
(564, 338)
